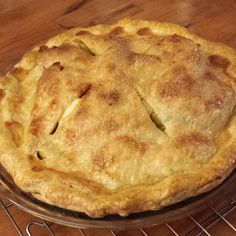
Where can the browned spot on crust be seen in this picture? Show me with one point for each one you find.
(19, 73)
(82, 32)
(111, 97)
(111, 67)
(217, 99)
(117, 30)
(49, 83)
(70, 158)
(208, 76)
(82, 113)
(36, 125)
(53, 104)
(30, 157)
(109, 126)
(193, 139)
(2, 94)
(43, 48)
(101, 161)
(36, 168)
(215, 103)
(103, 127)
(16, 131)
(179, 85)
(58, 65)
(144, 31)
(174, 38)
(71, 136)
(219, 61)
(19, 98)
(131, 58)
(133, 143)
(216, 80)
(82, 89)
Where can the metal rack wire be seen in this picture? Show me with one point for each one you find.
(201, 228)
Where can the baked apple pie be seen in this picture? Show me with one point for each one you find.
(122, 118)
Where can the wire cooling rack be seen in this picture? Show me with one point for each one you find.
(222, 215)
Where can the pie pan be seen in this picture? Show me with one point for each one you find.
(58, 215)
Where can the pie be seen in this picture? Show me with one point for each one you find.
(122, 118)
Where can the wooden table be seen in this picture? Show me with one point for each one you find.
(23, 23)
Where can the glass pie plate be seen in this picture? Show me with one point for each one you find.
(58, 215)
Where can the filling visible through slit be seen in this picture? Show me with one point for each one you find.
(153, 115)
(66, 112)
(69, 109)
(84, 47)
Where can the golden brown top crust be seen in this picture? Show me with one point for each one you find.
(119, 119)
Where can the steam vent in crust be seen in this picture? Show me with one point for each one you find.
(122, 118)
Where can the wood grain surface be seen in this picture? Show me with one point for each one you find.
(24, 23)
